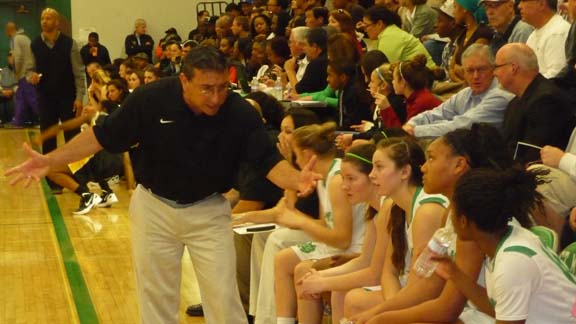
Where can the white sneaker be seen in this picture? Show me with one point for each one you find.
(87, 201)
(107, 199)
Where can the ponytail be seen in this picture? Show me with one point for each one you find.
(491, 198)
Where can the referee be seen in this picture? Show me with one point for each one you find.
(193, 135)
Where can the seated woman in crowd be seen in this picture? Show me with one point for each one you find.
(413, 219)
(342, 22)
(135, 79)
(433, 299)
(226, 45)
(341, 226)
(152, 74)
(420, 18)
(383, 26)
(125, 68)
(256, 59)
(526, 282)
(389, 109)
(411, 79)
(261, 25)
(471, 14)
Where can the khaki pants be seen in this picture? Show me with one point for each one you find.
(159, 234)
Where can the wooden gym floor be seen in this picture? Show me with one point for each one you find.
(59, 268)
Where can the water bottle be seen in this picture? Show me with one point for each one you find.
(439, 243)
(254, 85)
(278, 89)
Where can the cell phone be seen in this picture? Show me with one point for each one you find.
(261, 228)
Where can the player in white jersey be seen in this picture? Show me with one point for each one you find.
(526, 282)
(355, 168)
(341, 226)
(433, 299)
(414, 218)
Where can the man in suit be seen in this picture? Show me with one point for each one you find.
(541, 113)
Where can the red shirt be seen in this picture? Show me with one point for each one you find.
(420, 101)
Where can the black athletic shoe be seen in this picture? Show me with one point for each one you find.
(87, 201)
(195, 310)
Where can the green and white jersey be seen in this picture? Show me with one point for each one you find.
(528, 281)
(420, 198)
(319, 250)
(324, 196)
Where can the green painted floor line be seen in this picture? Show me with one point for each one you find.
(80, 293)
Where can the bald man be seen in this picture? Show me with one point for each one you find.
(59, 76)
(541, 113)
(26, 105)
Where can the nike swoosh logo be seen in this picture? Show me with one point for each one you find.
(164, 121)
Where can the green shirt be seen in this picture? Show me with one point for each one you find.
(400, 46)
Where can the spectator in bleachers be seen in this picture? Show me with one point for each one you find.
(94, 51)
(117, 91)
(140, 61)
(469, 14)
(246, 8)
(420, 19)
(298, 63)
(316, 17)
(541, 113)
(152, 74)
(508, 28)
(8, 84)
(227, 45)
(257, 58)
(26, 102)
(187, 46)
(314, 78)
(352, 7)
(354, 101)
(567, 76)
(279, 8)
(135, 79)
(411, 79)
(241, 27)
(481, 102)
(233, 10)
(447, 27)
(299, 8)
(278, 53)
(342, 22)
(223, 27)
(139, 41)
(171, 35)
(383, 25)
(261, 25)
(549, 36)
(174, 56)
(125, 69)
(201, 31)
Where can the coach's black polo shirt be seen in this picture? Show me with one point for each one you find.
(182, 156)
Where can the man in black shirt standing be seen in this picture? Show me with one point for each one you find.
(59, 76)
(193, 134)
